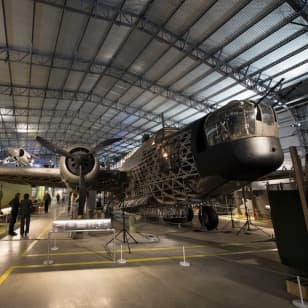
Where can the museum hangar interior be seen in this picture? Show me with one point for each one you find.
(175, 130)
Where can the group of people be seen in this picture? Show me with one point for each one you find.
(24, 208)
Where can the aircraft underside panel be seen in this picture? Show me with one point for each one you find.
(172, 214)
(167, 172)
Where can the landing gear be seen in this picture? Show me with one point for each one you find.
(208, 217)
(180, 216)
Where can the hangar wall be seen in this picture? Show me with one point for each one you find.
(9, 190)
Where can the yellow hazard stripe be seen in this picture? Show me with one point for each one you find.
(5, 275)
(145, 249)
(92, 252)
(25, 253)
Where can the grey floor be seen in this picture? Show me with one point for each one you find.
(225, 270)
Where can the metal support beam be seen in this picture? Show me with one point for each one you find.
(301, 6)
(70, 114)
(53, 53)
(7, 54)
(128, 19)
(20, 90)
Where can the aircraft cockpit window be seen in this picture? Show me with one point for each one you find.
(267, 114)
(231, 123)
(258, 116)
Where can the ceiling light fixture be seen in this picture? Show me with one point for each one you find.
(24, 130)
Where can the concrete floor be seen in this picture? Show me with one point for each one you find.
(226, 270)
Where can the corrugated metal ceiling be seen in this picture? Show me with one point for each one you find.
(83, 71)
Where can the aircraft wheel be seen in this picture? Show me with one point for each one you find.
(208, 217)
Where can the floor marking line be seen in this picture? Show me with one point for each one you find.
(5, 275)
(25, 253)
(91, 252)
(135, 260)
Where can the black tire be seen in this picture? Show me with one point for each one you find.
(208, 217)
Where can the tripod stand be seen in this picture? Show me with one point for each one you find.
(126, 234)
(230, 211)
(247, 225)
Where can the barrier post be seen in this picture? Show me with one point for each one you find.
(48, 261)
(184, 263)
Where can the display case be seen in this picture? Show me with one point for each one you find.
(81, 224)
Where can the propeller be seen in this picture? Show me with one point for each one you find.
(105, 143)
(53, 148)
(80, 161)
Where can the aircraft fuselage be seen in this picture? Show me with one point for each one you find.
(214, 155)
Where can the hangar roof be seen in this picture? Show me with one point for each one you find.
(82, 71)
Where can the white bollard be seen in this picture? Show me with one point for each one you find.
(54, 245)
(184, 263)
(55, 241)
(48, 261)
(300, 303)
(121, 260)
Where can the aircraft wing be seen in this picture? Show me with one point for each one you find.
(32, 176)
(278, 174)
(107, 180)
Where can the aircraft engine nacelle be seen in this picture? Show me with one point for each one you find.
(69, 167)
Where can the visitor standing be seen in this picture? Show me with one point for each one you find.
(14, 203)
(25, 214)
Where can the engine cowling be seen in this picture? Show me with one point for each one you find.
(69, 169)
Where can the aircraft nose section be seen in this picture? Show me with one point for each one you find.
(258, 156)
(243, 159)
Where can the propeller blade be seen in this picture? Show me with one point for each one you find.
(105, 143)
(52, 147)
(82, 191)
(34, 156)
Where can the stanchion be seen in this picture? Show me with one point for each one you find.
(48, 261)
(54, 245)
(121, 260)
(114, 247)
(184, 263)
(300, 303)
(55, 240)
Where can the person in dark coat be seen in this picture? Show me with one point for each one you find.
(25, 214)
(58, 198)
(47, 201)
(14, 203)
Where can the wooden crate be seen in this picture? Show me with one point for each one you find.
(292, 287)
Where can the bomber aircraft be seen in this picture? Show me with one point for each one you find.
(19, 156)
(214, 155)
